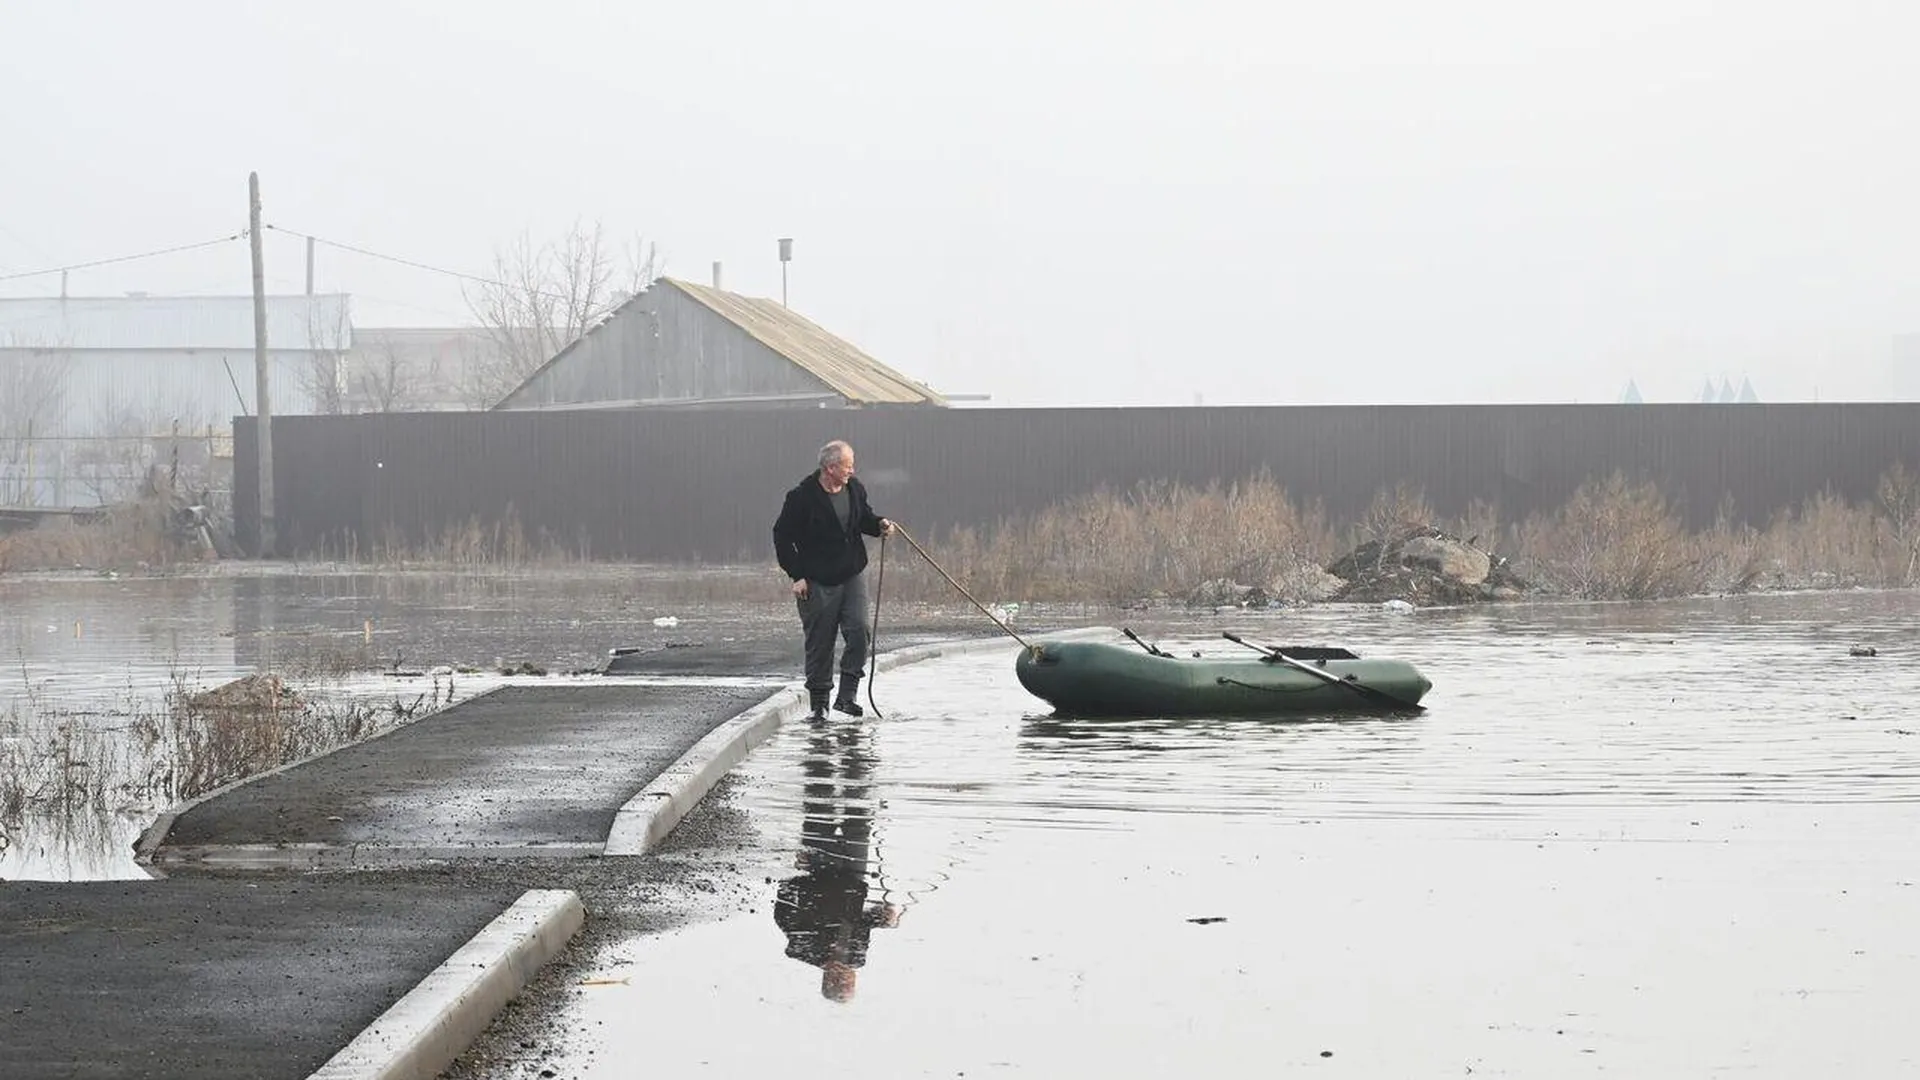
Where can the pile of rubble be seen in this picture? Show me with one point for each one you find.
(1424, 566)
(251, 693)
(1419, 565)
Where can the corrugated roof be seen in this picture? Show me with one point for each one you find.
(833, 360)
(301, 323)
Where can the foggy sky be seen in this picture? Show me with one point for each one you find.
(1054, 203)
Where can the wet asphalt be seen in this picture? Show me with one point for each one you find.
(266, 974)
(428, 833)
(259, 978)
(517, 768)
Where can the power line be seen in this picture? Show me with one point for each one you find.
(121, 258)
(396, 259)
(417, 265)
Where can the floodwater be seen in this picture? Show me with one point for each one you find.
(1672, 839)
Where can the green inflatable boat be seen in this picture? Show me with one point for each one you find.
(1091, 678)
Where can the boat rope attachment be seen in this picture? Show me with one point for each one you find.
(1225, 681)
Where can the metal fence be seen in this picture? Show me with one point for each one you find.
(59, 472)
(705, 485)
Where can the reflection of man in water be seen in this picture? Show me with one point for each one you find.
(824, 910)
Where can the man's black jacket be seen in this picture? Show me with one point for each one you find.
(809, 540)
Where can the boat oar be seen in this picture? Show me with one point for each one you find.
(1135, 638)
(1379, 697)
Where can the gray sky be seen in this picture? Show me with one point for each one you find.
(1055, 203)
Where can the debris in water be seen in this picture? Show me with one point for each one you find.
(1863, 650)
(1205, 920)
(248, 692)
(667, 621)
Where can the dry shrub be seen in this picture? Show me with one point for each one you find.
(73, 768)
(1614, 539)
(1392, 515)
(1481, 527)
(1826, 543)
(121, 536)
(1158, 538)
(1898, 498)
(1830, 542)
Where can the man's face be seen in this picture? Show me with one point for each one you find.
(840, 471)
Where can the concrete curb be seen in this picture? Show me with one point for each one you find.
(355, 856)
(649, 816)
(440, 1017)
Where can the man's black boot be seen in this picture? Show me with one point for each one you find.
(816, 705)
(848, 700)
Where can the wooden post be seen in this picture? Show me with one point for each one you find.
(263, 408)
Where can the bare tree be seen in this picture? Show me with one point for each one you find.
(324, 378)
(385, 379)
(33, 396)
(1898, 493)
(125, 439)
(543, 298)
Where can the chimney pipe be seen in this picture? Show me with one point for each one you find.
(716, 273)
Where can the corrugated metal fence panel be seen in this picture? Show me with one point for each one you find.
(706, 485)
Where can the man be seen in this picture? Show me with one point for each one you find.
(818, 540)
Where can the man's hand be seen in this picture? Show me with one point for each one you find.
(800, 589)
(887, 527)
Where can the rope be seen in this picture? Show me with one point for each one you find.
(1009, 631)
(1225, 681)
(873, 634)
(879, 584)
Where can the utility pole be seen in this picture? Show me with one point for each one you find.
(786, 256)
(309, 266)
(262, 401)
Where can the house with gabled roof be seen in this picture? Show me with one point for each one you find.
(677, 344)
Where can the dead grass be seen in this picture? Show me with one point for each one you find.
(1158, 538)
(1615, 539)
(123, 536)
(77, 768)
(471, 544)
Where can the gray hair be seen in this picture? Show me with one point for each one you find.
(833, 452)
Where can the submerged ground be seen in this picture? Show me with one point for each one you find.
(1656, 839)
